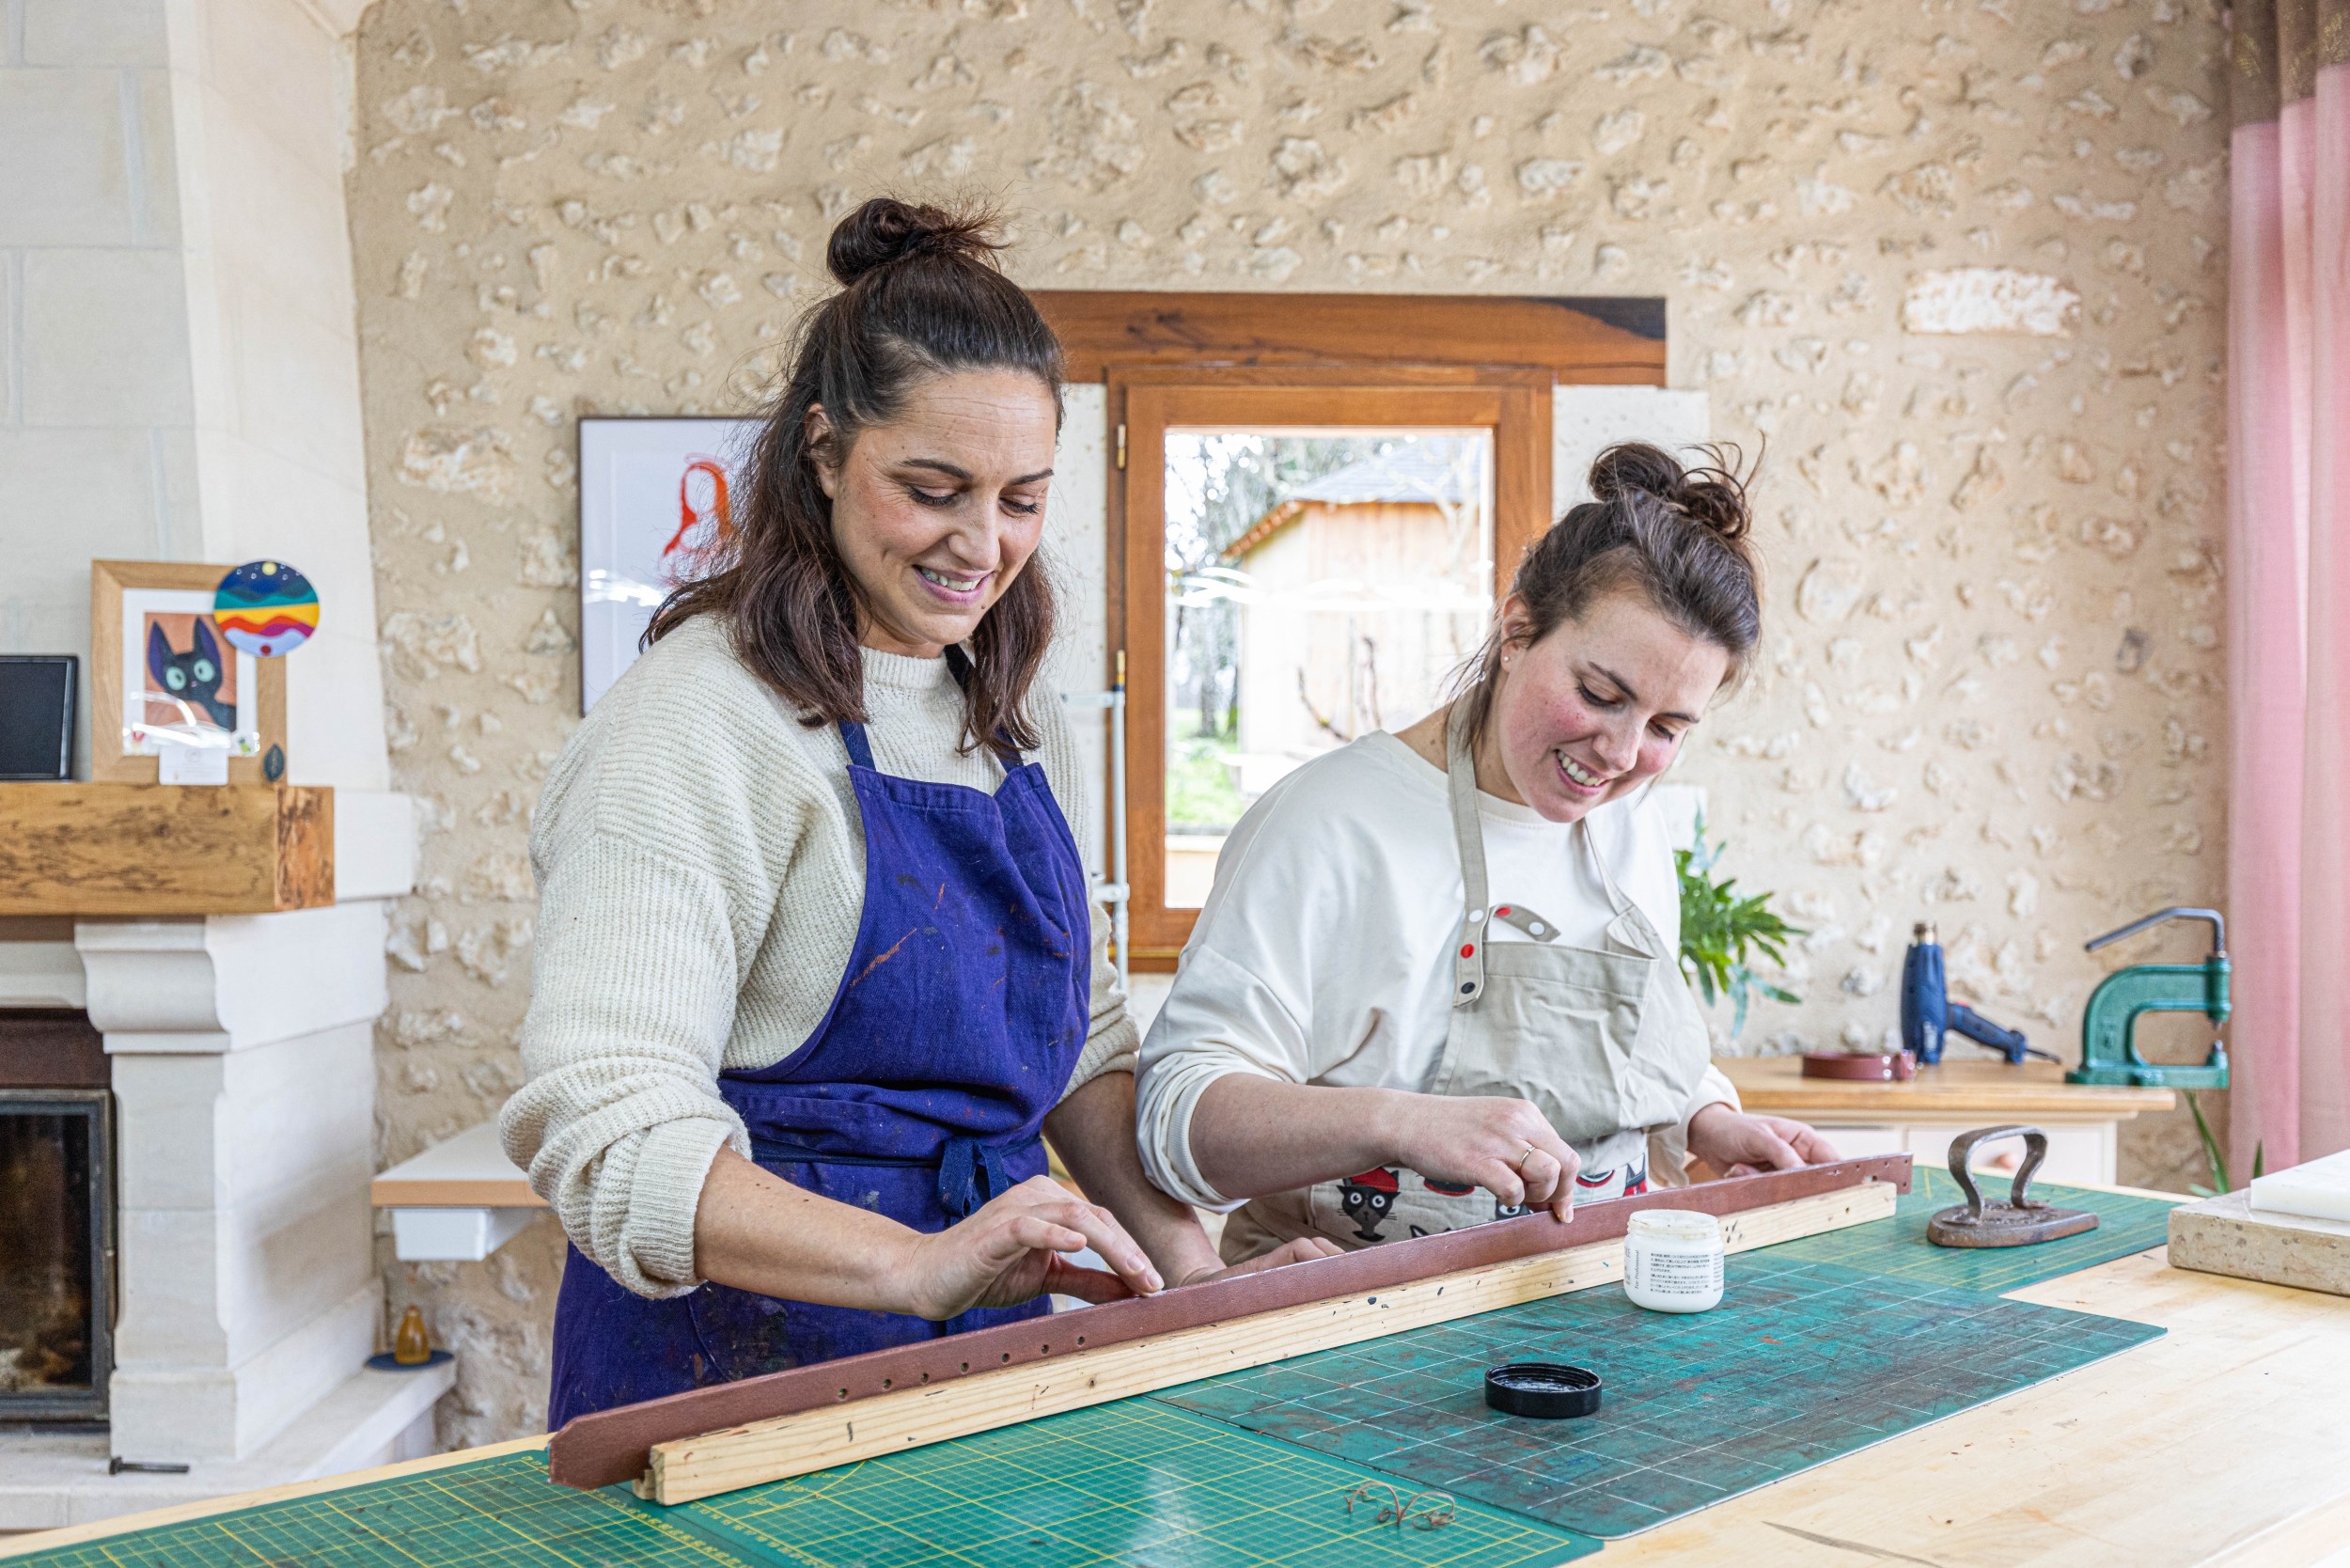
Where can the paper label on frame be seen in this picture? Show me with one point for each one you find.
(190, 764)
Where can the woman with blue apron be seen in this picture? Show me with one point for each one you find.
(802, 1014)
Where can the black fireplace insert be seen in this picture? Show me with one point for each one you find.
(56, 1253)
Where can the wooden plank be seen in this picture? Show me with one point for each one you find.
(467, 1172)
(1592, 339)
(2221, 1442)
(817, 1439)
(152, 850)
(1950, 1090)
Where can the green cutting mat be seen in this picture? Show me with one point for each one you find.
(1802, 1362)
(2125, 1224)
(1126, 1484)
(1130, 1483)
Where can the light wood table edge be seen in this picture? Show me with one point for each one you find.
(39, 1541)
(124, 1524)
(454, 1192)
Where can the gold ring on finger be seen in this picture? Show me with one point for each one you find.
(1520, 1166)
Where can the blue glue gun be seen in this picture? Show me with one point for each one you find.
(1928, 1014)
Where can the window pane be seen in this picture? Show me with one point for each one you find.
(1321, 587)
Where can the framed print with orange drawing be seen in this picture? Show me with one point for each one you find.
(656, 507)
(166, 681)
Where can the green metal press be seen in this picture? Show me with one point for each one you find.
(2108, 1028)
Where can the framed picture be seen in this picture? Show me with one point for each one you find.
(655, 498)
(164, 676)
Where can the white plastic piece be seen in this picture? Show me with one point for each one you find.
(455, 1235)
(1672, 1260)
(2318, 1190)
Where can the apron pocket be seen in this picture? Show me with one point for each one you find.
(1562, 1046)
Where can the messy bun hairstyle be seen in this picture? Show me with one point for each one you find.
(1678, 536)
(920, 295)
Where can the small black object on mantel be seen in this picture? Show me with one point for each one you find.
(37, 716)
(119, 1466)
(1544, 1390)
(2017, 1222)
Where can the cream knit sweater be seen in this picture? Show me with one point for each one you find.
(701, 871)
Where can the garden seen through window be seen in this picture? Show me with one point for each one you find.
(1321, 584)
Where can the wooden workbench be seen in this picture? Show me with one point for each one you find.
(2218, 1444)
(1921, 1117)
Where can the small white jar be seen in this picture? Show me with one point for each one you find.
(1672, 1260)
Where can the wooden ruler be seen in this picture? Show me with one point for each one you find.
(617, 1444)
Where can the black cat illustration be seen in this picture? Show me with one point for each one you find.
(193, 677)
(1369, 1198)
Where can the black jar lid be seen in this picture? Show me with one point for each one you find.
(1546, 1390)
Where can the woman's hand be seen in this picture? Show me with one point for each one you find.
(1304, 1249)
(1010, 1251)
(1505, 1146)
(1737, 1144)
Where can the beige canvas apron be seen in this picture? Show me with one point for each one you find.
(1607, 1042)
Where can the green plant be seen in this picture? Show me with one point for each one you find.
(2216, 1161)
(1719, 930)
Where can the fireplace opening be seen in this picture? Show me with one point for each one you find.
(56, 1222)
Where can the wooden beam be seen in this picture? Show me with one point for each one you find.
(1604, 340)
(153, 849)
(911, 1418)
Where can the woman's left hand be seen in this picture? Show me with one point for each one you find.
(1303, 1249)
(1737, 1144)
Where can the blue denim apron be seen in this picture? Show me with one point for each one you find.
(958, 1022)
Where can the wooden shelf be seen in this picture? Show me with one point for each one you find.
(155, 849)
(467, 1172)
(1950, 1090)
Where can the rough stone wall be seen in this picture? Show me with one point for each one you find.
(1959, 262)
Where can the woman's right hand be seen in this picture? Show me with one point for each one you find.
(1503, 1145)
(1010, 1251)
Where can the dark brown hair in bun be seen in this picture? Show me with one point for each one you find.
(1678, 534)
(920, 295)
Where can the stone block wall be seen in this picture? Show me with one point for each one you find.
(1958, 265)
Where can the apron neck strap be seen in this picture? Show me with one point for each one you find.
(1468, 837)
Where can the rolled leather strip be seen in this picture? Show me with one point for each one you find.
(1899, 1068)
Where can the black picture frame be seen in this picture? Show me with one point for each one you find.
(37, 693)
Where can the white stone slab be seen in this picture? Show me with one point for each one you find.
(49, 1480)
(2227, 1235)
(40, 974)
(2319, 1189)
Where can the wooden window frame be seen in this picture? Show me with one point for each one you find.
(1172, 360)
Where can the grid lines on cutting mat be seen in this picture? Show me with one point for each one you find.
(1801, 1363)
(2126, 1224)
(1123, 1484)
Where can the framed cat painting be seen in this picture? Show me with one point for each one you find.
(167, 687)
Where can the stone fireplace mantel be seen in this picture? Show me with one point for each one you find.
(241, 1055)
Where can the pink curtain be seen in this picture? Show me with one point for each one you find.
(2289, 579)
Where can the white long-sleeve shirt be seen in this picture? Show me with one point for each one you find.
(1324, 952)
(701, 873)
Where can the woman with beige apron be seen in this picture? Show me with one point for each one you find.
(1437, 981)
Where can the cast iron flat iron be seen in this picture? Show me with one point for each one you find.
(2016, 1222)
